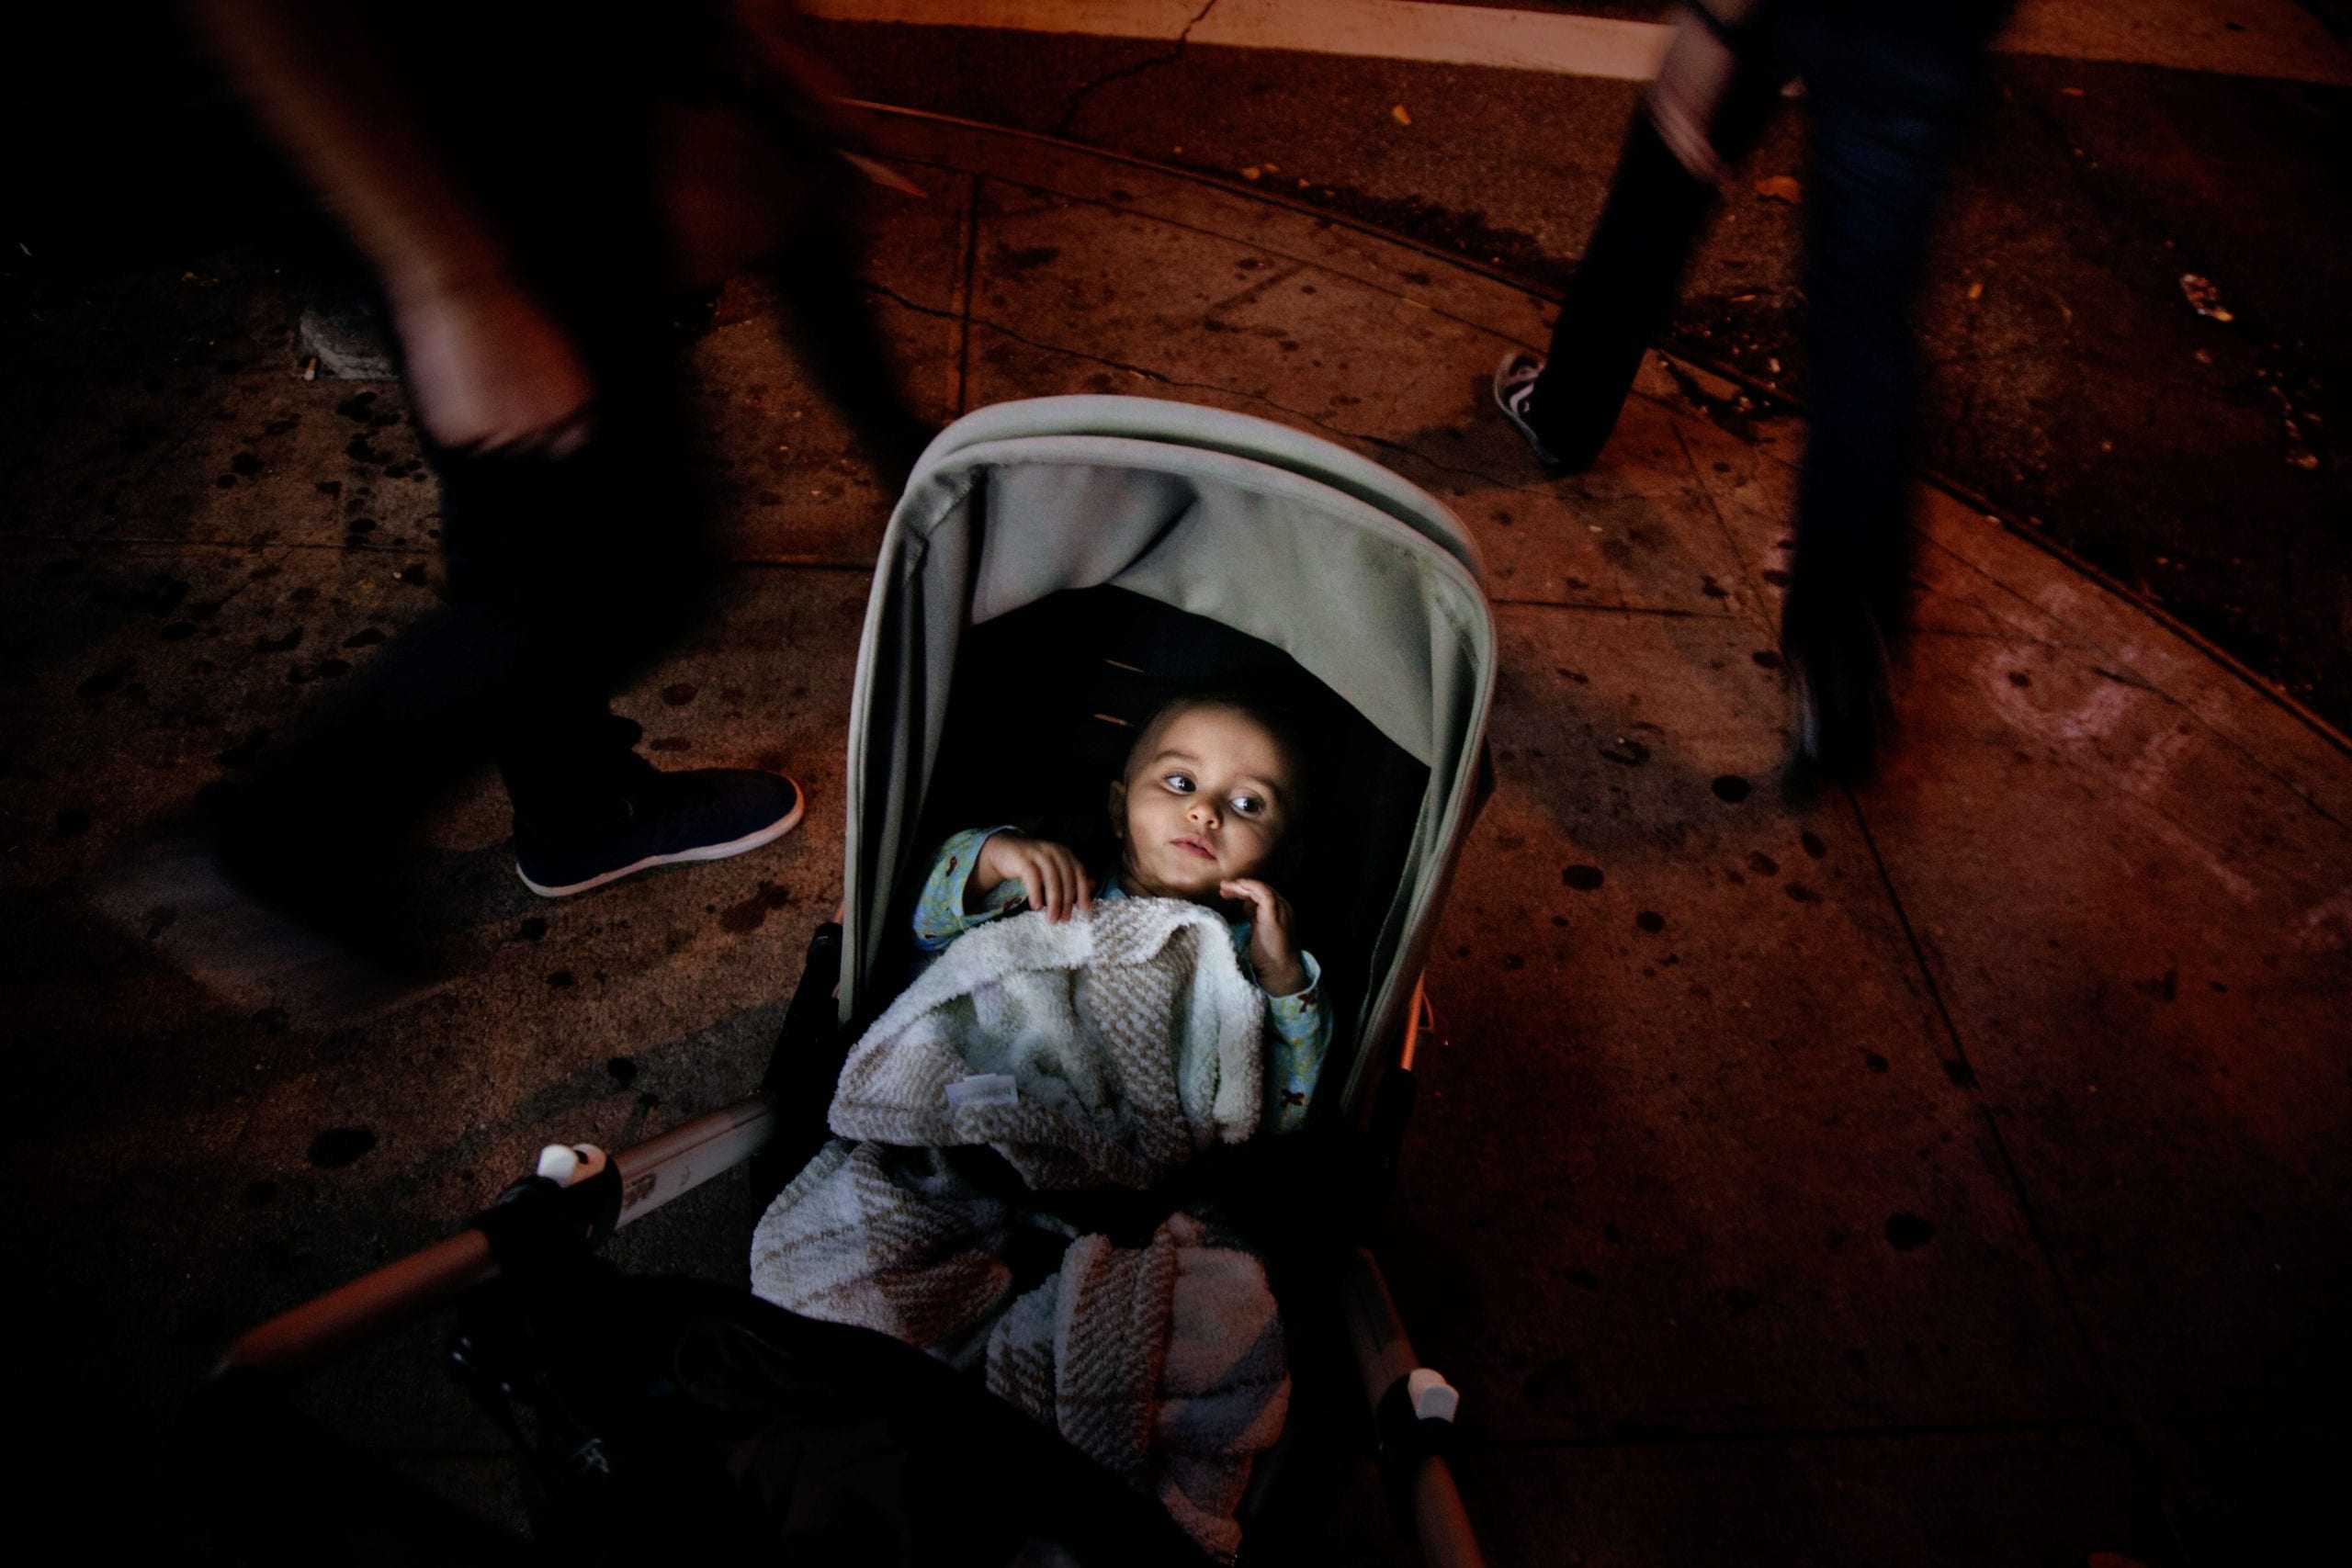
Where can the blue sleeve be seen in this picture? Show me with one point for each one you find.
(1301, 1038)
(940, 916)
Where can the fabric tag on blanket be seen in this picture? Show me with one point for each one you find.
(984, 1089)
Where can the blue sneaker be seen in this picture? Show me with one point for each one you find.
(666, 818)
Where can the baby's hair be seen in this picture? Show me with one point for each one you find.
(1270, 715)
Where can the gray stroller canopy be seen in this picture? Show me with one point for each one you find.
(1369, 584)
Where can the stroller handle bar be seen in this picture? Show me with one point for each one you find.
(312, 1335)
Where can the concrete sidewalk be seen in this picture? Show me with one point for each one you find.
(1953, 1172)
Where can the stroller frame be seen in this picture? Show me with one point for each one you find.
(950, 561)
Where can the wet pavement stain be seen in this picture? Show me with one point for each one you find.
(1651, 922)
(1762, 864)
(339, 1147)
(1875, 1061)
(749, 915)
(1961, 1075)
(532, 930)
(622, 1070)
(1905, 1232)
(1800, 893)
(1813, 845)
(367, 637)
(245, 752)
(1730, 788)
(1552, 1384)
(1005, 259)
(1583, 878)
(679, 694)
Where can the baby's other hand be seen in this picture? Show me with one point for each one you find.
(1052, 875)
(1273, 954)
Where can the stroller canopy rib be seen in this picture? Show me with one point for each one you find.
(1366, 581)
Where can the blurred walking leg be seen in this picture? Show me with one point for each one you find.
(1888, 105)
(1712, 96)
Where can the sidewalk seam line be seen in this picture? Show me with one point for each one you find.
(2128, 1426)
(971, 275)
(1723, 525)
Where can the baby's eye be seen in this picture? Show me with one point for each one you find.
(1247, 804)
(1180, 784)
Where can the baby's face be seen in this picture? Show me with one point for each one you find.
(1209, 798)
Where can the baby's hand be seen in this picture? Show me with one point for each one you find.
(1273, 954)
(1054, 875)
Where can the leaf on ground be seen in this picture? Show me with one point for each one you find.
(1399, 116)
(2203, 298)
(1779, 187)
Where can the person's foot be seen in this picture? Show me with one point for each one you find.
(702, 814)
(1515, 380)
(1840, 710)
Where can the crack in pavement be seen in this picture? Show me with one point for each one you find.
(1076, 100)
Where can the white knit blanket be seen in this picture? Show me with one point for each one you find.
(1110, 1049)
(1164, 1363)
(1130, 1036)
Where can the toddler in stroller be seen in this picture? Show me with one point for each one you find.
(1211, 802)
(1117, 1057)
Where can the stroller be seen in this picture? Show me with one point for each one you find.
(1053, 570)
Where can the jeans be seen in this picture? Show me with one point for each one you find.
(1890, 89)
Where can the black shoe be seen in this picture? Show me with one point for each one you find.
(704, 814)
(1840, 710)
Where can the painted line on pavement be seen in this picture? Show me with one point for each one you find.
(2272, 38)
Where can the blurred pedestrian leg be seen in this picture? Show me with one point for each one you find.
(1889, 100)
(539, 188)
(1890, 89)
(1703, 112)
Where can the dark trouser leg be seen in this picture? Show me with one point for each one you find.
(1625, 285)
(1887, 114)
(579, 572)
(567, 576)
